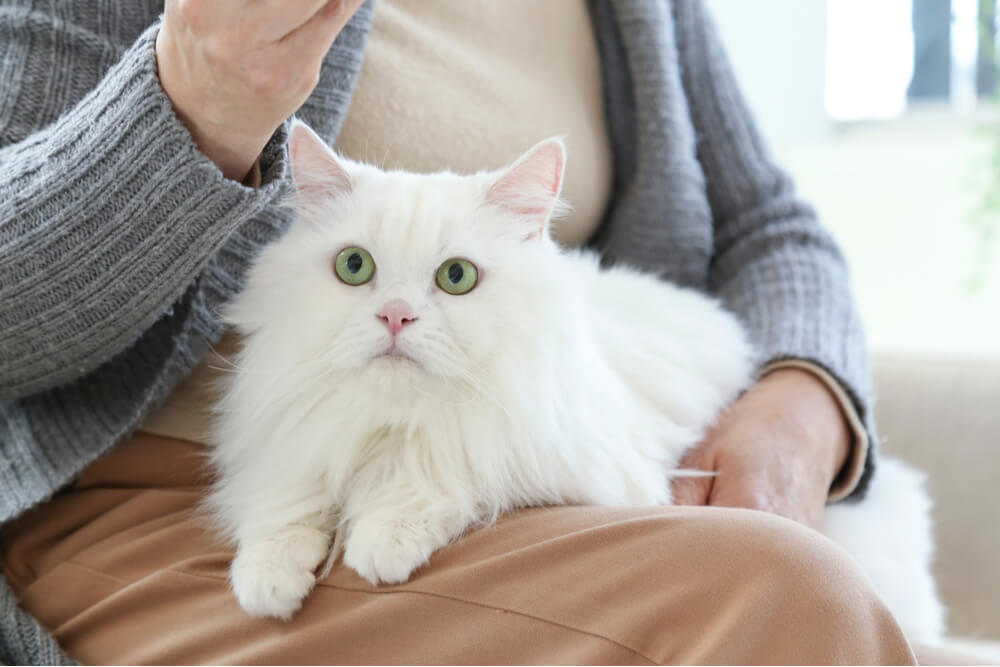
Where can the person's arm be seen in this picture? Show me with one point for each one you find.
(108, 214)
(774, 264)
(104, 217)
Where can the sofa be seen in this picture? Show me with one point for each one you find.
(941, 412)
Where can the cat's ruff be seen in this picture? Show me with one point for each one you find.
(551, 381)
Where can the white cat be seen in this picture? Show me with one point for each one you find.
(420, 357)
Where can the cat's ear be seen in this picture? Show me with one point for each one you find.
(530, 187)
(317, 171)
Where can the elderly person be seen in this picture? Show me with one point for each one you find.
(142, 157)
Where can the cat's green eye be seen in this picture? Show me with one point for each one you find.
(457, 276)
(354, 266)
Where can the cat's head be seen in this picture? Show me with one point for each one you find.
(408, 277)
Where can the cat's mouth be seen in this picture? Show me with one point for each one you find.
(395, 355)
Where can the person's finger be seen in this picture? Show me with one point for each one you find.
(691, 490)
(276, 19)
(747, 492)
(313, 38)
(694, 490)
(772, 501)
(738, 491)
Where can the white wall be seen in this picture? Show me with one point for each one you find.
(778, 49)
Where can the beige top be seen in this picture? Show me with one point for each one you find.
(464, 86)
(471, 85)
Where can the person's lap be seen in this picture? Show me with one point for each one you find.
(123, 569)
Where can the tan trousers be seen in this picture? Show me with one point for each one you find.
(123, 571)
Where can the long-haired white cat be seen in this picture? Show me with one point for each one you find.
(420, 357)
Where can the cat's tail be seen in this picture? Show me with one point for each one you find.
(890, 535)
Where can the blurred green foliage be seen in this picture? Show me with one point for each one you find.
(985, 218)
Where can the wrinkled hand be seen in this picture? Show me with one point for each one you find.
(236, 69)
(777, 449)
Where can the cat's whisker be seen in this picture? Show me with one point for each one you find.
(387, 148)
(281, 372)
(278, 373)
(476, 385)
(426, 394)
(219, 355)
(346, 354)
(457, 368)
(233, 370)
(457, 361)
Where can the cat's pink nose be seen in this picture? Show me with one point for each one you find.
(396, 314)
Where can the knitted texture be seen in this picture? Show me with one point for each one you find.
(23, 640)
(119, 240)
(700, 201)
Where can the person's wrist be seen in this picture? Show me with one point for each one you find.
(233, 153)
(819, 420)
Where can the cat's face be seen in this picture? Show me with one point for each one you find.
(407, 277)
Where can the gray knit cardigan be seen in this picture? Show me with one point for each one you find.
(119, 240)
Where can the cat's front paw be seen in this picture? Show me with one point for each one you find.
(272, 577)
(388, 552)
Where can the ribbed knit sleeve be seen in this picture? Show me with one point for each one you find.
(119, 240)
(773, 263)
(23, 640)
(105, 215)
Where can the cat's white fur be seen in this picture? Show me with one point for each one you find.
(554, 381)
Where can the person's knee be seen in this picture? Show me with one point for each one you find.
(790, 588)
(793, 562)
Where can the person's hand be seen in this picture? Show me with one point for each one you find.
(236, 69)
(776, 449)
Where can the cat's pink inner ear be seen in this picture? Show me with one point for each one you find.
(316, 169)
(530, 187)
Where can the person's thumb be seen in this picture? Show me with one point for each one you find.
(692, 490)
